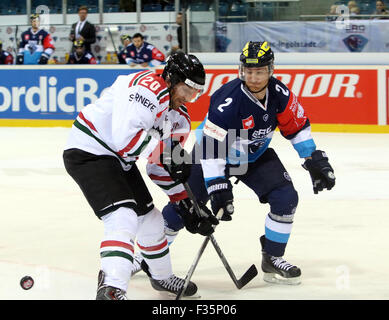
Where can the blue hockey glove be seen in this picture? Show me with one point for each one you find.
(220, 191)
(321, 172)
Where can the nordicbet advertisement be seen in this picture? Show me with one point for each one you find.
(330, 95)
(52, 93)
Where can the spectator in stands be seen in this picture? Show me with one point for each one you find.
(381, 10)
(194, 36)
(83, 29)
(5, 56)
(143, 53)
(332, 15)
(36, 45)
(353, 8)
(124, 55)
(80, 55)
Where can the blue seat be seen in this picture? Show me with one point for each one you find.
(35, 3)
(113, 8)
(238, 10)
(367, 7)
(223, 8)
(344, 2)
(152, 7)
(90, 3)
(364, 8)
(72, 9)
(8, 11)
(19, 6)
(267, 12)
(199, 6)
(169, 7)
(93, 9)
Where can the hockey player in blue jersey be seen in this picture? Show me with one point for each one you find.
(36, 45)
(242, 117)
(142, 53)
(123, 54)
(80, 55)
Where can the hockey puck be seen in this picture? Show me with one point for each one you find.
(27, 282)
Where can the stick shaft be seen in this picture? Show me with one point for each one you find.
(192, 268)
(113, 43)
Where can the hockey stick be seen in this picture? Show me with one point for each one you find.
(16, 48)
(250, 274)
(113, 43)
(247, 276)
(195, 262)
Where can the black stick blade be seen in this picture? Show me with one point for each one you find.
(249, 275)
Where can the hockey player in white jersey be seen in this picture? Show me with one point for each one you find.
(136, 117)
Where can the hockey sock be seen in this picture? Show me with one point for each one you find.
(157, 258)
(277, 236)
(153, 245)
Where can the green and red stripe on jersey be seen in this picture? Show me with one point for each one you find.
(163, 96)
(154, 252)
(140, 140)
(87, 129)
(114, 248)
(182, 110)
(138, 76)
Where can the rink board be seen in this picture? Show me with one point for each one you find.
(336, 98)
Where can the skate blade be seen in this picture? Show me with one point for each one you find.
(194, 297)
(276, 278)
(170, 295)
(133, 273)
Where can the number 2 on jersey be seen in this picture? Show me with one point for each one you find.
(227, 103)
(281, 89)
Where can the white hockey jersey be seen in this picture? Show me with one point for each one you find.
(131, 120)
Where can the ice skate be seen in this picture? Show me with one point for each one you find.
(278, 270)
(171, 285)
(105, 292)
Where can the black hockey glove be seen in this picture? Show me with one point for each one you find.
(43, 59)
(19, 59)
(176, 162)
(321, 172)
(220, 191)
(192, 222)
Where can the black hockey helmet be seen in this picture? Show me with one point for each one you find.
(187, 68)
(256, 54)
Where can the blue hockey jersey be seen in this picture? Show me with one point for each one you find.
(86, 58)
(146, 53)
(34, 44)
(245, 125)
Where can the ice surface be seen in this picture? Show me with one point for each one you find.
(339, 238)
